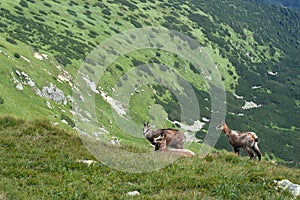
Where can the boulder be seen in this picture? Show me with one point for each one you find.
(53, 93)
(133, 193)
(288, 185)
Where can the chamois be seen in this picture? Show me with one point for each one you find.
(160, 143)
(237, 139)
(174, 138)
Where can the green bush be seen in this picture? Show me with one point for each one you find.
(17, 55)
(47, 4)
(106, 12)
(1, 100)
(12, 41)
(71, 12)
(23, 4)
(135, 23)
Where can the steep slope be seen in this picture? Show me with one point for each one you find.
(40, 161)
(255, 48)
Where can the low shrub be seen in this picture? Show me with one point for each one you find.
(17, 55)
(67, 119)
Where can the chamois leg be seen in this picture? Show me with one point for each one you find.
(249, 150)
(236, 150)
(257, 151)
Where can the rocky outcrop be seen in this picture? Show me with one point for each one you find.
(53, 93)
(22, 79)
(250, 104)
(288, 185)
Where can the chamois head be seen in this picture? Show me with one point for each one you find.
(160, 141)
(146, 128)
(221, 126)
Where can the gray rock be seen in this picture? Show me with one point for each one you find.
(288, 185)
(53, 93)
(22, 79)
(133, 193)
(27, 80)
(19, 86)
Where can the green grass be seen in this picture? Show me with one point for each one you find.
(38, 161)
(67, 31)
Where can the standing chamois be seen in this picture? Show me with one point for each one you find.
(174, 138)
(160, 143)
(247, 140)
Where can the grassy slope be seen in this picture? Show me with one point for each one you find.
(38, 161)
(68, 30)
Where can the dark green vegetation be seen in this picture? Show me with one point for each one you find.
(256, 47)
(295, 4)
(39, 161)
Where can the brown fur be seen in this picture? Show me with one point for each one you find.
(174, 138)
(247, 140)
(160, 146)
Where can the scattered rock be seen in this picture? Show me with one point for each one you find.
(27, 80)
(64, 76)
(288, 185)
(55, 123)
(38, 56)
(272, 73)
(115, 141)
(22, 79)
(237, 96)
(26, 59)
(133, 193)
(87, 162)
(250, 104)
(19, 86)
(116, 105)
(49, 105)
(197, 125)
(64, 121)
(256, 87)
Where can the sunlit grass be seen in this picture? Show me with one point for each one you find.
(39, 161)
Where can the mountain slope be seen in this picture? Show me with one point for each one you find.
(40, 161)
(256, 49)
(295, 4)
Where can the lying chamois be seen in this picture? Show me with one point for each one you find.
(247, 140)
(160, 143)
(174, 138)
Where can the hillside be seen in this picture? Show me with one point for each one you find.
(40, 161)
(252, 53)
(294, 4)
